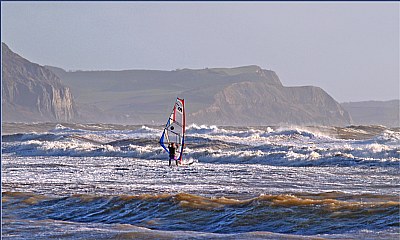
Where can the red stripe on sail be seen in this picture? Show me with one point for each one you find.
(174, 115)
(183, 127)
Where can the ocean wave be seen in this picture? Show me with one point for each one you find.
(59, 128)
(183, 211)
(388, 136)
(330, 199)
(82, 149)
(21, 137)
(57, 229)
(211, 144)
(216, 151)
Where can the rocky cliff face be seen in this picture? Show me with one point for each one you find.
(245, 95)
(32, 92)
(260, 103)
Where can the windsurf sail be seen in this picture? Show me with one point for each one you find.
(174, 131)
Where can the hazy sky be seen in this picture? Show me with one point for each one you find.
(350, 49)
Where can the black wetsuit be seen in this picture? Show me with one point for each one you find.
(172, 151)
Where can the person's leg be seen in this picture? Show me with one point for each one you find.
(169, 162)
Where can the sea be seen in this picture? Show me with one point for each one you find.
(105, 181)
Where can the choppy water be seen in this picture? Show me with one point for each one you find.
(112, 181)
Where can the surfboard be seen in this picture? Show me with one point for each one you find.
(174, 130)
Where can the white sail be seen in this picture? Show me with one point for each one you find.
(174, 131)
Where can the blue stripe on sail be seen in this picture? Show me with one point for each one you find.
(162, 137)
(162, 142)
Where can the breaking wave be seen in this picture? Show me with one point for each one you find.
(186, 212)
(211, 144)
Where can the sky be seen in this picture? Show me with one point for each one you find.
(349, 49)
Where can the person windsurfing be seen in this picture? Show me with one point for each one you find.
(172, 150)
(172, 139)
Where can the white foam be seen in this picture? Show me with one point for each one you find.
(286, 147)
(375, 147)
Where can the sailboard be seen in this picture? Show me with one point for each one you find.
(174, 130)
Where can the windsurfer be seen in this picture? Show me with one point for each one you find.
(172, 149)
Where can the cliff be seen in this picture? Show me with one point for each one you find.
(263, 104)
(32, 93)
(374, 112)
(245, 95)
